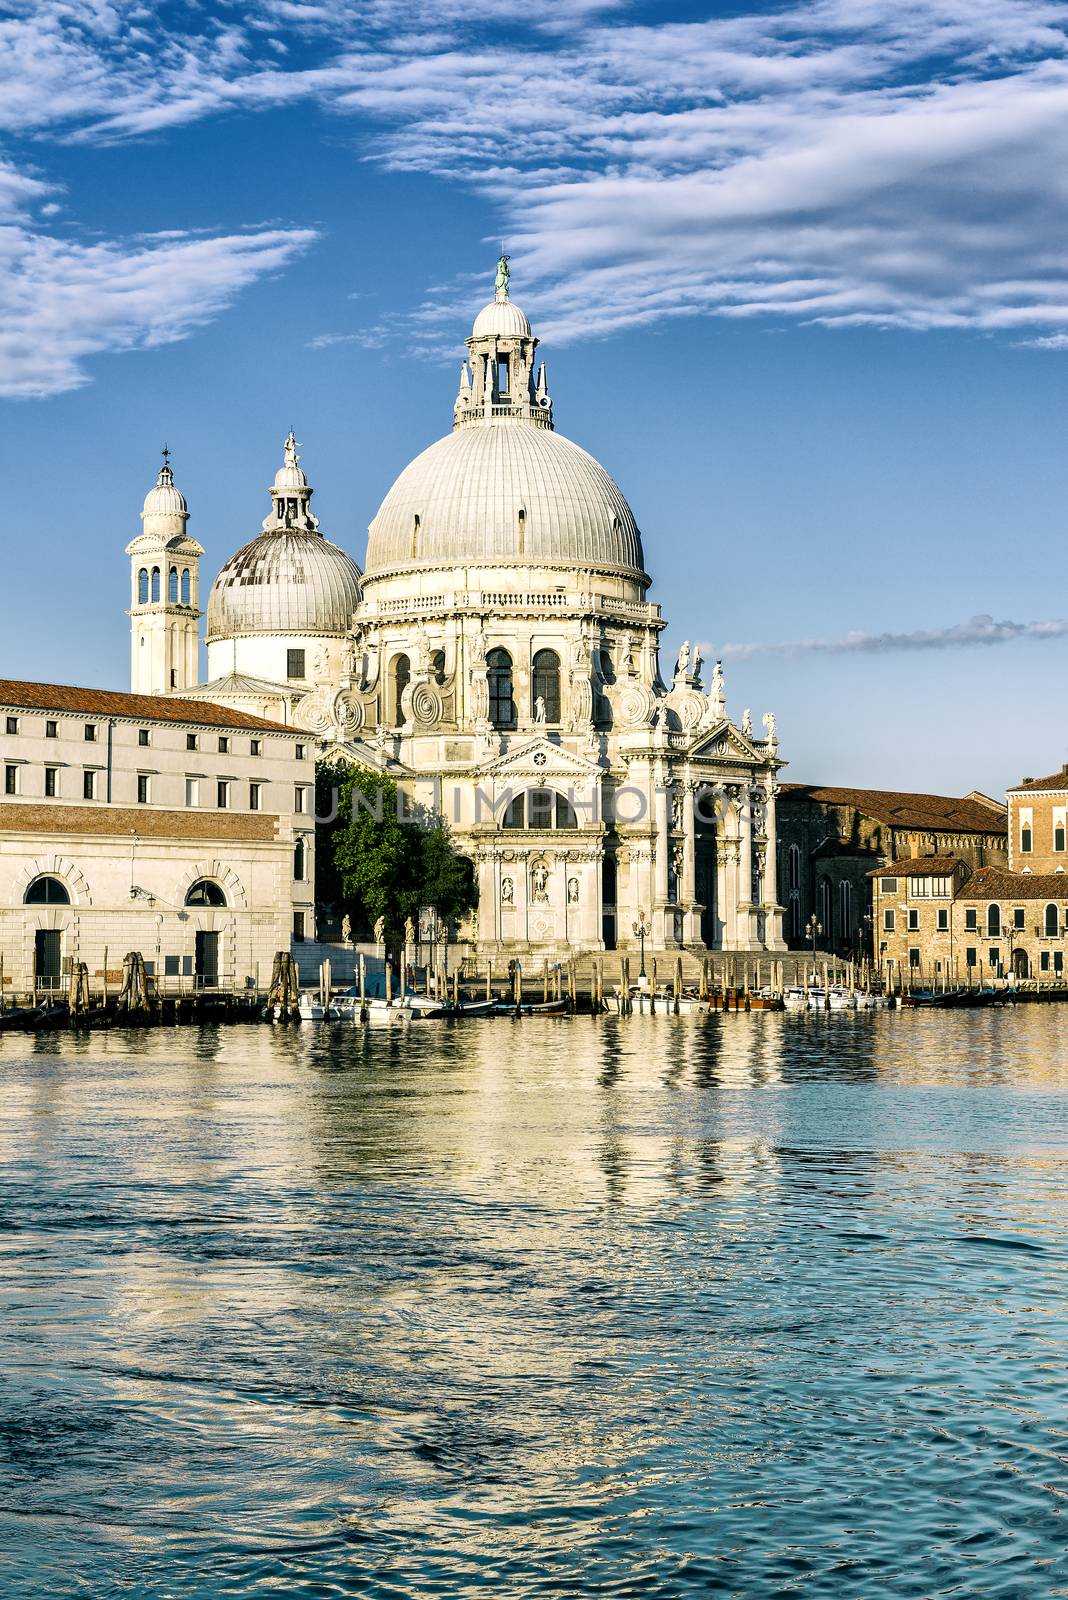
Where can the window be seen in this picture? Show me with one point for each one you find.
(845, 910)
(224, 744)
(142, 788)
(11, 780)
(155, 584)
(545, 684)
(943, 920)
(172, 586)
(995, 959)
(914, 956)
(171, 966)
(1053, 922)
(499, 674)
(12, 724)
(1058, 962)
(142, 587)
(51, 730)
(299, 794)
(1058, 837)
(192, 792)
(185, 586)
(254, 747)
(89, 784)
(888, 921)
(191, 741)
(254, 796)
(47, 892)
(298, 752)
(502, 375)
(971, 920)
(539, 808)
(437, 665)
(914, 920)
(1043, 961)
(400, 677)
(889, 886)
(1025, 841)
(514, 815)
(298, 927)
(1018, 918)
(51, 777)
(993, 922)
(90, 733)
(970, 956)
(205, 892)
(142, 737)
(294, 663)
(795, 867)
(299, 860)
(222, 794)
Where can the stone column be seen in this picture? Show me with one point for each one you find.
(745, 868)
(662, 816)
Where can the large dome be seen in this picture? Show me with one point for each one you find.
(284, 582)
(469, 489)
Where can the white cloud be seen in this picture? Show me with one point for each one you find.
(981, 630)
(838, 161)
(61, 303)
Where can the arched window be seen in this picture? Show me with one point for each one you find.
(142, 587)
(437, 665)
(795, 866)
(47, 892)
(993, 922)
(155, 583)
(545, 684)
(299, 860)
(539, 808)
(827, 910)
(1053, 922)
(185, 586)
(400, 673)
(501, 703)
(205, 893)
(172, 586)
(845, 910)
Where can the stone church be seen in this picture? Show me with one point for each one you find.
(499, 656)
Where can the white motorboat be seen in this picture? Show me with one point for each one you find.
(660, 1002)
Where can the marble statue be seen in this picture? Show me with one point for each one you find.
(409, 931)
(769, 724)
(503, 276)
(380, 929)
(684, 659)
(572, 891)
(507, 892)
(346, 929)
(747, 723)
(539, 881)
(539, 709)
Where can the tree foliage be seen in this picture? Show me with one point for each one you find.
(375, 859)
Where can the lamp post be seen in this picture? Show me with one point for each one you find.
(814, 928)
(641, 931)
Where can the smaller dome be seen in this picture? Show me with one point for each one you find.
(502, 317)
(164, 500)
(284, 581)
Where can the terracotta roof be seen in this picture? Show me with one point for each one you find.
(1056, 780)
(146, 822)
(21, 696)
(995, 883)
(918, 867)
(930, 812)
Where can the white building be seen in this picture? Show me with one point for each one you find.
(500, 655)
(180, 829)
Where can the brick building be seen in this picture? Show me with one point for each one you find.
(830, 840)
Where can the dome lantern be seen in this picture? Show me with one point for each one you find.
(501, 383)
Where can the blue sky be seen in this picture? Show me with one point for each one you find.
(800, 273)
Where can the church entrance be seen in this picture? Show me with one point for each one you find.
(608, 902)
(705, 883)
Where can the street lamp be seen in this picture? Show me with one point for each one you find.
(814, 928)
(641, 931)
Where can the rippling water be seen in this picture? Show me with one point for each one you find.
(749, 1306)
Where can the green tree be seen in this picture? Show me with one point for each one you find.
(375, 860)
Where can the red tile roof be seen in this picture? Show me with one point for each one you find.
(918, 867)
(1056, 780)
(932, 813)
(19, 696)
(147, 822)
(994, 883)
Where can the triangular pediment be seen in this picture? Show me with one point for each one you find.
(540, 758)
(724, 743)
(365, 753)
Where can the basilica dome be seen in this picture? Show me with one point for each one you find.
(503, 486)
(289, 579)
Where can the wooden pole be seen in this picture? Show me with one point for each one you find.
(489, 980)
(545, 980)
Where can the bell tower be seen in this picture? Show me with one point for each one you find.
(164, 593)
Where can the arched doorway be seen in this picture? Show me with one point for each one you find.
(1021, 965)
(207, 894)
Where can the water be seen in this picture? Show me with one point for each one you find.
(750, 1306)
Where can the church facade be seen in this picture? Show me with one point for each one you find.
(498, 656)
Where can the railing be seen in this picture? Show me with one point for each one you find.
(541, 417)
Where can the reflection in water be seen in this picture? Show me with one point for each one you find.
(762, 1305)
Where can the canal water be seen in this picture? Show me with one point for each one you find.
(746, 1306)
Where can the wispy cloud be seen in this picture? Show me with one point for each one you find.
(833, 161)
(982, 630)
